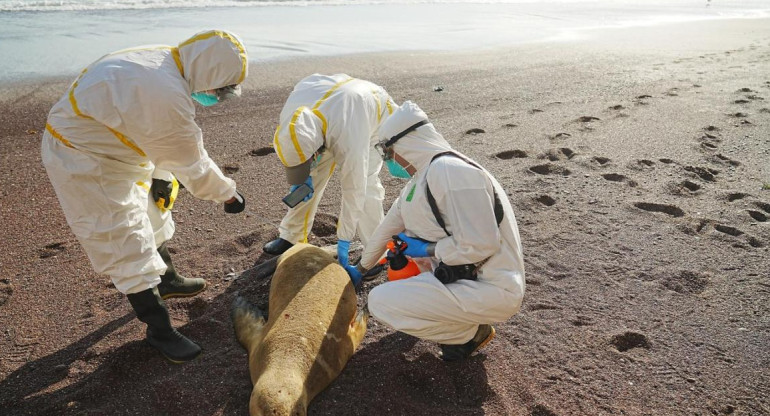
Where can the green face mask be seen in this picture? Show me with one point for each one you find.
(396, 170)
(205, 99)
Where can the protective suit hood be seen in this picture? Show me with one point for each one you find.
(213, 59)
(419, 146)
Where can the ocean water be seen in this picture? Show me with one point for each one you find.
(41, 38)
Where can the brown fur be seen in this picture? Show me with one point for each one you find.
(311, 332)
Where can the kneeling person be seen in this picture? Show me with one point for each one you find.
(469, 234)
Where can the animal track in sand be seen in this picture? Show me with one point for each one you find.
(511, 154)
(555, 155)
(550, 169)
(758, 216)
(629, 340)
(707, 174)
(671, 210)
(262, 151)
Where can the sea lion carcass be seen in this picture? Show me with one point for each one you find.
(311, 332)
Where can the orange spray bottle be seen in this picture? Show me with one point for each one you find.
(400, 266)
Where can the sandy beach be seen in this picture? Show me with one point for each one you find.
(637, 162)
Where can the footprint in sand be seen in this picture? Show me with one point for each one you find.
(230, 169)
(642, 99)
(686, 282)
(325, 225)
(535, 110)
(754, 97)
(739, 115)
(559, 136)
(616, 177)
(52, 250)
(764, 110)
(745, 89)
(756, 215)
(546, 200)
(600, 160)
(685, 188)
(763, 206)
(707, 174)
(6, 290)
(724, 160)
(671, 210)
(550, 169)
(555, 155)
(666, 161)
(741, 101)
(630, 340)
(510, 125)
(262, 151)
(641, 164)
(735, 196)
(475, 131)
(512, 154)
(617, 107)
(735, 232)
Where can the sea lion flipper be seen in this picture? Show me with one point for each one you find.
(357, 328)
(248, 321)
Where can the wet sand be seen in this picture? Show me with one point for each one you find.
(637, 164)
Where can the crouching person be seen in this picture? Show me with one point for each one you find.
(454, 213)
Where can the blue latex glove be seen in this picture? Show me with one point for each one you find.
(343, 248)
(309, 182)
(414, 246)
(354, 274)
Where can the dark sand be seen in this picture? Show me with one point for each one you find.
(638, 167)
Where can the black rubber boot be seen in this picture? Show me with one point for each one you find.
(277, 246)
(484, 334)
(172, 284)
(150, 309)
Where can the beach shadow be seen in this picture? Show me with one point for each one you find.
(394, 375)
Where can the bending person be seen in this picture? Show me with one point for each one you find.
(116, 143)
(471, 240)
(329, 121)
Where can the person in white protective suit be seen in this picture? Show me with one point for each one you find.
(330, 121)
(475, 272)
(116, 146)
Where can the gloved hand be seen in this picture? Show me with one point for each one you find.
(161, 189)
(237, 205)
(308, 182)
(415, 247)
(343, 248)
(354, 274)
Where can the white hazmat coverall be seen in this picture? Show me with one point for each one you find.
(422, 306)
(343, 114)
(127, 116)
